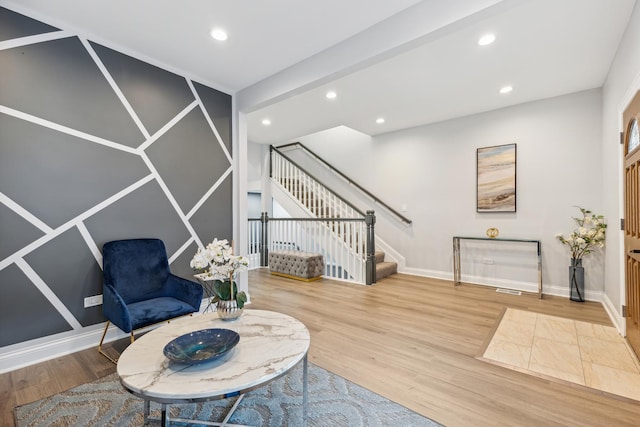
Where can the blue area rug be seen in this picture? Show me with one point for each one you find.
(333, 401)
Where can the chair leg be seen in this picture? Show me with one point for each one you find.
(104, 334)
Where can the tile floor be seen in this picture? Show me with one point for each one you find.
(591, 355)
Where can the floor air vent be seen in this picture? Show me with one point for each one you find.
(508, 291)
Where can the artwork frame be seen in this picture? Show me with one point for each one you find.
(496, 178)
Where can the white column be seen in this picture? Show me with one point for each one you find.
(240, 189)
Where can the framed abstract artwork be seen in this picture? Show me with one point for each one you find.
(496, 178)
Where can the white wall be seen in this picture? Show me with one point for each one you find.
(432, 170)
(622, 83)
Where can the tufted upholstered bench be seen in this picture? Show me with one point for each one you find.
(305, 266)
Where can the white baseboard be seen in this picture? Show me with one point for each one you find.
(39, 350)
(28, 353)
(532, 287)
(435, 274)
(618, 321)
(391, 254)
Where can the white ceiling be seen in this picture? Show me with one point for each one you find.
(411, 62)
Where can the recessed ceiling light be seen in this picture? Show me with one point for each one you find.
(219, 34)
(266, 122)
(380, 120)
(486, 39)
(506, 89)
(331, 95)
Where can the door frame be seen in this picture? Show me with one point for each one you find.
(620, 320)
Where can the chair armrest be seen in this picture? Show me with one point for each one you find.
(115, 309)
(185, 290)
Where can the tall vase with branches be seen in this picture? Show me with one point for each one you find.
(587, 237)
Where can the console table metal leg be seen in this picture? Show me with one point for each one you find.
(539, 271)
(456, 261)
(305, 391)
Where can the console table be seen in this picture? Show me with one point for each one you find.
(456, 256)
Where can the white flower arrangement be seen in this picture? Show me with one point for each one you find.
(217, 262)
(589, 235)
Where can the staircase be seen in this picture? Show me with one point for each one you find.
(321, 202)
(384, 268)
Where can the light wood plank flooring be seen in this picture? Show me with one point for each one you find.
(411, 339)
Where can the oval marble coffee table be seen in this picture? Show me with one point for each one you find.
(270, 345)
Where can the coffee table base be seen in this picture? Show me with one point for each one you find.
(165, 421)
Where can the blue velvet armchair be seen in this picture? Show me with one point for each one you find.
(139, 289)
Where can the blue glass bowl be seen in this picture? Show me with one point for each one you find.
(201, 346)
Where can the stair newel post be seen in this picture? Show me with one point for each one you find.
(264, 239)
(370, 221)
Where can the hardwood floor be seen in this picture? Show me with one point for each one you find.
(411, 339)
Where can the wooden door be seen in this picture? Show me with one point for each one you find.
(632, 220)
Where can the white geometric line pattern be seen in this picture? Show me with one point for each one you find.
(208, 118)
(209, 193)
(39, 38)
(78, 222)
(48, 293)
(153, 138)
(172, 199)
(64, 129)
(75, 222)
(114, 86)
(25, 214)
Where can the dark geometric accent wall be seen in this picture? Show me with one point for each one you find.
(96, 145)
(143, 213)
(17, 232)
(156, 95)
(14, 25)
(78, 266)
(26, 312)
(71, 90)
(217, 104)
(57, 176)
(186, 159)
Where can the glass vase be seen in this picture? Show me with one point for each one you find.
(576, 280)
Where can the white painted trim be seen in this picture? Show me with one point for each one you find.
(48, 293)
(180, 250)
(207, 117)
(208, 194)
(434, 274)
(73, 222)
(38, 350)
(618, 321)
(38, 38)
(393, 255)
(167, 192)
(150, 140)
(239, 140)
(116, 89)
(531, 287)
(90, 243)
(65, 129)
(25, 214)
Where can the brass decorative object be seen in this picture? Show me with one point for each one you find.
(492, 232)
